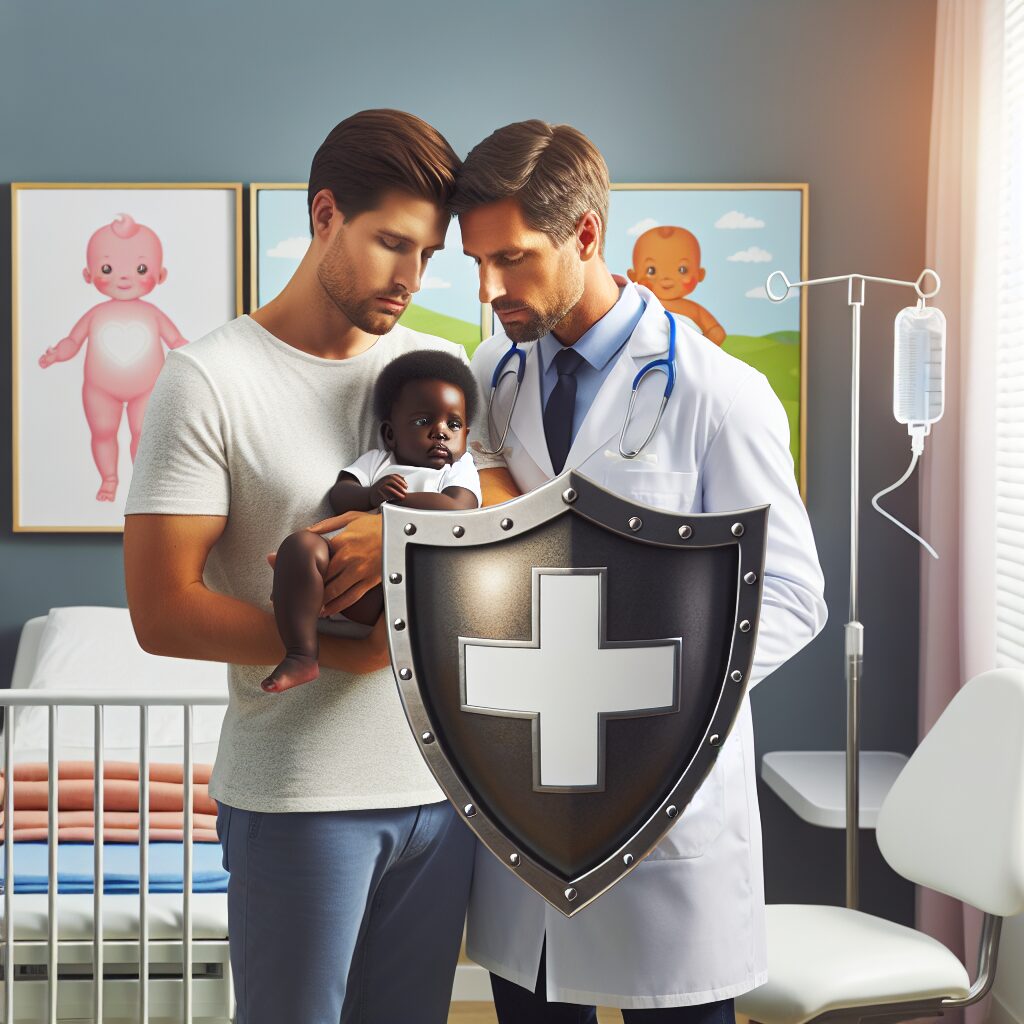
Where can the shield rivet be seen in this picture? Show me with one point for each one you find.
(395, 577)
(627, 859)
(427, 737)
(399, 623)
(469, 810)
(410, 529)
(405, 673)
(671, 810)
(513, 859)
(506, 524)
(686, 532)
(715, 740)
(635, 523)
(751, 577)
(745, 626)
(570, 894)
(737, 529)
(458, 531)
(736, 676)
(569, 495)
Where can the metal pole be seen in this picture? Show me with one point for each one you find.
(854, 634)
(854, 630)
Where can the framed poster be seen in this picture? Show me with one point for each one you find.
(447, 304)
(706, 251)
(106, 279)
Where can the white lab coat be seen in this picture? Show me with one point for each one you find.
(688, 924)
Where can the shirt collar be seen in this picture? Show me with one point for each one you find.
(606, 337)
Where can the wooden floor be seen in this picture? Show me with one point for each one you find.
(483, 1013)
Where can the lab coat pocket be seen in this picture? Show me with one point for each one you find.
(700, 824)
(667, 490)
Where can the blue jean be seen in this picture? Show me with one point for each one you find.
(345, 915)
(517, 1005)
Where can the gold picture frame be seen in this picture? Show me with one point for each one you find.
(780, 357)
(787, 200)
(45, 310)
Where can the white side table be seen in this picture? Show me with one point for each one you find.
(813, 783)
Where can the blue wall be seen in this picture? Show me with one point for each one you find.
(837, 94)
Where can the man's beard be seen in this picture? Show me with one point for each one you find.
(336, 274)
(536, 324)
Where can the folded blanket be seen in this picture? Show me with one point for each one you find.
(75, 785)
(120, 868)
(118, 826)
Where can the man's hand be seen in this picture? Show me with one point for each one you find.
(392, 487)
(377, 655)
(355, 558)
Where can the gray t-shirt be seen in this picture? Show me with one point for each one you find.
(242, 425)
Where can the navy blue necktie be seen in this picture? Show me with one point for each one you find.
(561, 405)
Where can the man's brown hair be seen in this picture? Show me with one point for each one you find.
(553, 171)
(375, 151)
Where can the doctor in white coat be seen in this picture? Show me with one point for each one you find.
(684, 933)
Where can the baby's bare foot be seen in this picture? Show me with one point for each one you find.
(108, 489)
(294, 670)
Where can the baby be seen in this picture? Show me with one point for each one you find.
(424, 401)
(667, 260)
(124, 261)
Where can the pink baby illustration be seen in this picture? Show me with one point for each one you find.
(667, 260)
(124, 260)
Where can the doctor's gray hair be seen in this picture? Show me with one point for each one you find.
(553, 171)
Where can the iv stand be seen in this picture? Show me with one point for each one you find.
(854, 646)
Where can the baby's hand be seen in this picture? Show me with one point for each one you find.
(389, 488)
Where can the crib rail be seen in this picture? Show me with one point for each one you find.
(53, 700)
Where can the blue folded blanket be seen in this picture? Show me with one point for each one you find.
(120, 867)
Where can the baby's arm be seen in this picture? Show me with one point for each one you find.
(170, 334)
(451, 498)
(349, 495)
(67, 348)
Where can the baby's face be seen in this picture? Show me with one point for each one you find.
(670, 267)
(428, 424)
(124, 268)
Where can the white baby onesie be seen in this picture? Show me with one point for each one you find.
(379, 462)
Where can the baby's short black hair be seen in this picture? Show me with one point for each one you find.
(424, 364)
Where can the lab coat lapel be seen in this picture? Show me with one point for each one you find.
(603, 421)
(528, 417)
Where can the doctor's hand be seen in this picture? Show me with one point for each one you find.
(355, 558)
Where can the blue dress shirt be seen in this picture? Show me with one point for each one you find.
(598, 347)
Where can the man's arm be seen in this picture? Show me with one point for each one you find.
(748, 463)
(498, 486)
(176, 615)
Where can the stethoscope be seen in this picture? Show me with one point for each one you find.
(667, 366)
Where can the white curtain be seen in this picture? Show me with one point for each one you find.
(967, 244)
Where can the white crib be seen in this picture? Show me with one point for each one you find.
(162, 957)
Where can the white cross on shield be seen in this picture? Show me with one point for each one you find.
(568, 679)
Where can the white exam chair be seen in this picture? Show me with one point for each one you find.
(954, 822)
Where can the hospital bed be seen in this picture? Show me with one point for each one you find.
(80, 677)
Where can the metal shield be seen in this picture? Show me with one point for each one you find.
(570, 663)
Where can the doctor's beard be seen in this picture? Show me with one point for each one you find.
(536, 323)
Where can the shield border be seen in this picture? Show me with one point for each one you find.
(574, 492)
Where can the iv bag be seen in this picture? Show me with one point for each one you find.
(919, 372)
